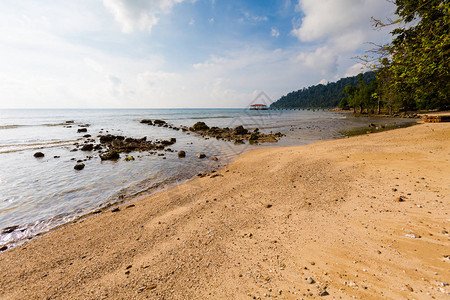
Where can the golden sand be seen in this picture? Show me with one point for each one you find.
(285, 223)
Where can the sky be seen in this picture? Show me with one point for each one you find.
(178, 53)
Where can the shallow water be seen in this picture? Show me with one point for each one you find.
(38, 194)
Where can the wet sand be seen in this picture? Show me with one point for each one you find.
(286, 223)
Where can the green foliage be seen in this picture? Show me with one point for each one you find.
(321, 96)
(417, 73)
(361, 97)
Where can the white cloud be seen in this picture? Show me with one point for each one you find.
(211, 20)
(274, 32)
(322, 60)
(327, 18)
(139, 15)
(191, 22)
(338, 30)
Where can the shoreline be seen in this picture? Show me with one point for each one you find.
(120, 198)
(177, 247)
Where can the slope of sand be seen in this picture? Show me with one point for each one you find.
(262, 226)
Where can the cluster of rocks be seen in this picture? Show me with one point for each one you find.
(111, 146)
(116, 144)
(161, 123)
(239, 134)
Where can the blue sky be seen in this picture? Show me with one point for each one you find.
(177, 53)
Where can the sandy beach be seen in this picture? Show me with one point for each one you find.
(364, 217)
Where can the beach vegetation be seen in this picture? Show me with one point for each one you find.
(413, 71)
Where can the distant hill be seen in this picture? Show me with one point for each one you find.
(320, 96)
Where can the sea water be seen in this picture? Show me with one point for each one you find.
(37, 194)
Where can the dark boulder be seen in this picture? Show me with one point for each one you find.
(201, 155)
(109, 138)
(147, 121)
(87, 136)
(79, 167)
(82, 130)
(110, 155)
(253, 137)
(199, 126)
(181, 154)
(87, 147)
(159, 122)
(240, 130)
(39, 154)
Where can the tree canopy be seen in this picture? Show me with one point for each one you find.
(414, 69)
(321, 95)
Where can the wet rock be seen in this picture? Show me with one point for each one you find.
(9, 229)
(79, 167)
(159, 122)
(199, 126)
(201, 155)
(3, 248)
(56, 156)
(181, 154)
(147, 121)
(87, 136)
(110, 155)
(109, 138)
(87, 147)
(253, 137)
(239, 142)
(70, 122)
(39, 154)
(240, 130)
(82, 130)
(115, 210)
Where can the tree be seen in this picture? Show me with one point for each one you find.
(417, 70)
(361, 96)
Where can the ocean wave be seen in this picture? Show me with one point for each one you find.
(31, 146)
(12, 126)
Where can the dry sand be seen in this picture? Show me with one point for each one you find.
(262, 226)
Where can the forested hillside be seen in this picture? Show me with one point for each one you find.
(320, 96)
